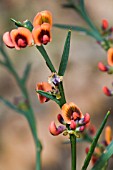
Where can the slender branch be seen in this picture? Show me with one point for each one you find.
(29, 114)
(73, 152)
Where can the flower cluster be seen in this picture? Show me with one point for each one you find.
(51, 87)
(107, 68)
(101, 147)
(40, 33)
(72, 120)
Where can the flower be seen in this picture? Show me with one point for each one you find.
(72, 119)
(71, 112)
(18, 38)
(45, 87)
(41, 34)
(110, 56)
(42, 17)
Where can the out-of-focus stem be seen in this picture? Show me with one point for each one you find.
(29, 113)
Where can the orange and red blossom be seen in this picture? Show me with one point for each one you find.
(71, 112)
(72, 119)
(42, 17)
(45, 87)
(110, 56)
(41, 34)
(18, 38)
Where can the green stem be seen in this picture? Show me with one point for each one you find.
(94, 143)
(73, 152)
(32, 123)
(95, 33)
(63, 99)
(29, 113)
(46, 58)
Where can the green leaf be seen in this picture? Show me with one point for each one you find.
(104, 157)
(74, 28)
(94, 143)
(17, 23)
(48, 95)
(65, 55)
(46, 58)
(26, 73)
(12, 106)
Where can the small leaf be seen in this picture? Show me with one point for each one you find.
(94, 143)
(46, 58)
(65, 55)
(48, 95)
(104, 157)
(26, 73)
(75, 28)
(17, 23)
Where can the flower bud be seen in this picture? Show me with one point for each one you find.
(104, 24)
(102, 67)
(107, 91)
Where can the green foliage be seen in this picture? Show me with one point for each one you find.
(94, 143)
(46, 58)
(101, 162)
(65, 55)
(26, 73)
(48, 95)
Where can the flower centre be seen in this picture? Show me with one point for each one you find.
(21, 41)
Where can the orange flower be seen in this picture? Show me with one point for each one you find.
(110, 56)
(18, 38)
(71, 112)
(41, 34)
(108, 135)
(42, 17)
(45, 87)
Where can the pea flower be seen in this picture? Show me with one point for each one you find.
(41, 34)
(110, 56)
(43, 17)
(18, 38)
(72, 120)
(45, 87)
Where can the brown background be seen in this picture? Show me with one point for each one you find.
(83, 84)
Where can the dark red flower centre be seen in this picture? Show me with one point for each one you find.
(21, 41)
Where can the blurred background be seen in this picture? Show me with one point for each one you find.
(83, 84)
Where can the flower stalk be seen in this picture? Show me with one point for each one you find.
(73, 151)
